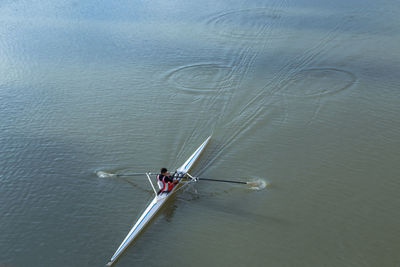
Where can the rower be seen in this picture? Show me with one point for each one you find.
(165, 181)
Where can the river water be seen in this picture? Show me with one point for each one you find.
(303, 95)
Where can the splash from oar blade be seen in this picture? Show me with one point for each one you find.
(103, 174)
(259, 184)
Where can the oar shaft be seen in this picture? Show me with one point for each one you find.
(218, 180)
(134, 174)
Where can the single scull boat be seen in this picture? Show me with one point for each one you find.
(157, 202)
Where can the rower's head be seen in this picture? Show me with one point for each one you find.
(164, 171)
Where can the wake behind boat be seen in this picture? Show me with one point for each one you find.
(158, 202)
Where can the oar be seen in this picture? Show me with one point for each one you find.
(103, 174)
(132, 174)
(222, 181)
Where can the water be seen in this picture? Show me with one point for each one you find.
(301, 94)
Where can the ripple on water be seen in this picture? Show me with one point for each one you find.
(257, 23)
(317, 82)
(203, 78)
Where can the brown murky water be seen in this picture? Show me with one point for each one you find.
(303, 95)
